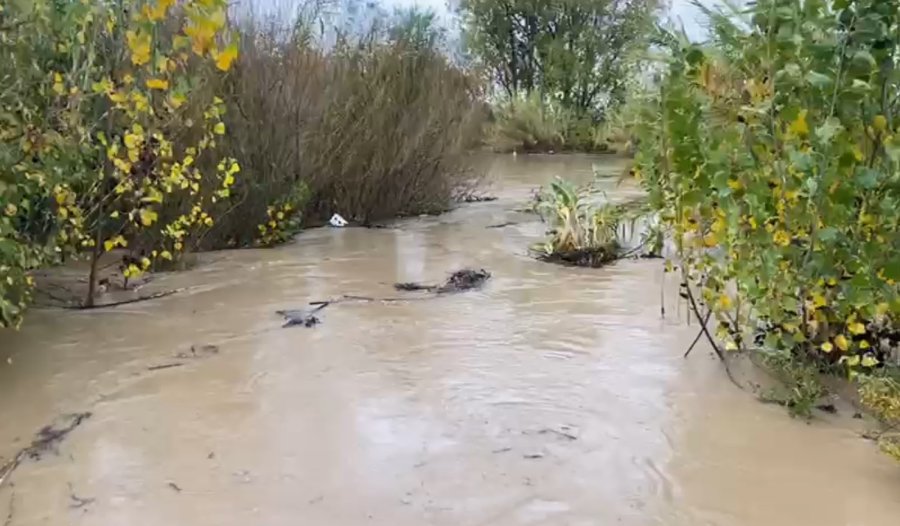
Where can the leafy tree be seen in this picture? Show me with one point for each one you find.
(105, 130)
(575, 52)
(772, 154)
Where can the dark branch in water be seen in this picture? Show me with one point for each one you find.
(704, 330)
(125, 302)
(164, 366)
(699, 334)
(459, 281)
(45, 440)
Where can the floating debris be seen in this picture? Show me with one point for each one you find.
(459, 281)
(305, 317)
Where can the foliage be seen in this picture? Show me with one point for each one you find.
(802, 381)
(882, 395)
(283, 218)
(528, 124)
(584, 229)
(771, 155)
(571, 52)
(100, 127)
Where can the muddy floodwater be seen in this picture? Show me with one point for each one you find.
(552, 396)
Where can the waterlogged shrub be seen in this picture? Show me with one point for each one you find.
(882, 395)
(283, 218)
(773, 157)
(104, 131)
(584, 229)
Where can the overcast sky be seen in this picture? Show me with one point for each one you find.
(682, 11)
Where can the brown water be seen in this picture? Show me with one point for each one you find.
(553, 396)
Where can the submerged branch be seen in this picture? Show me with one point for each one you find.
(155, 296)
(47, 438)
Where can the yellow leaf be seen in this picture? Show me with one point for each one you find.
(724, 301)
(148, 217)
(219, 128)
(842, 342)
(852, 361)
(139, 44)
(165, 254)
(782, 238)
(799, 126)
(58, 86)
(827, 347)
(226, 57)
(108, 245)
(879, 122)
(160, 84)
(819, 300)
(864, 344)
(857, 328)
(869, 361)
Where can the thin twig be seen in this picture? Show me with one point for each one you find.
(699, 334)
(712, 341)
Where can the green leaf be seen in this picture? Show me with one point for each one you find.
(827, 131)
(868, 178)
(865, 58)
(828, 234)
(819, 80)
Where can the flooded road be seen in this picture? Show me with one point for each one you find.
(553, 396)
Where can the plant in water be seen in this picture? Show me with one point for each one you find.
(771, 154)
(881, 394)
(108, 141)
(582, 232)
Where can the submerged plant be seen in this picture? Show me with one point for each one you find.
(585, 229)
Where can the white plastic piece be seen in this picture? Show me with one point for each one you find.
(338, 221)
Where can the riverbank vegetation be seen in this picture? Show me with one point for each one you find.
(142, 130)
(771, 155)
(560, 68)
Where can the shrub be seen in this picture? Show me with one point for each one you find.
(101, 127)
(584, 229)
(371, 127)
(771, 155)
(528, 124)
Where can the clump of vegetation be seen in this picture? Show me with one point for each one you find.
(771, 156)
(527, 124)
(584, 231)
(881, 393)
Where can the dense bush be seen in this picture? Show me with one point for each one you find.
(371, 127)
(103, 131)
(772, 155)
